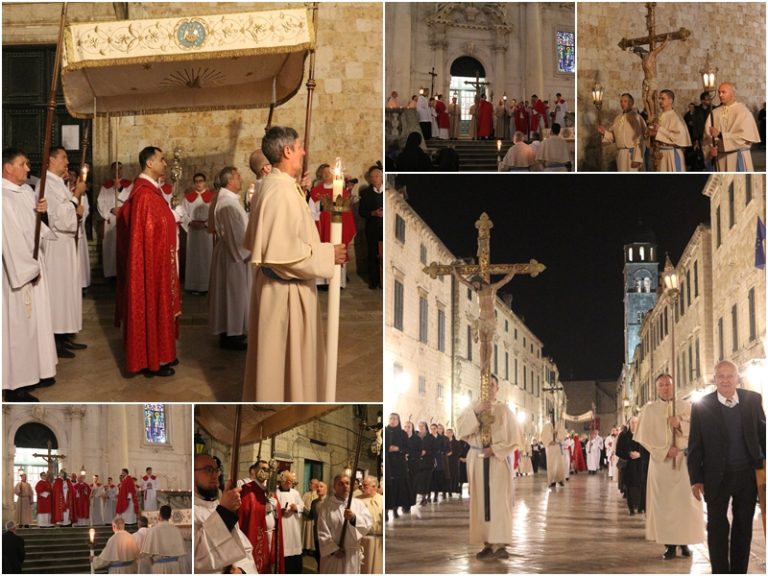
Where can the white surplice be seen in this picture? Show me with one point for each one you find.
(164, 545)
(330, 518)
(199, 241)
(110, 199)
(292, 523)
(217, 547)
(120, 554)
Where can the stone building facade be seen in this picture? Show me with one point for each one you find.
(102, 439)
(719, 313)
(431, 358)
(346, 118)
(733, 32)
(515, 43)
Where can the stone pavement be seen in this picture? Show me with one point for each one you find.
(206, 373)
(583, 527)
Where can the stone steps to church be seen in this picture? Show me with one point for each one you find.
(474, 155)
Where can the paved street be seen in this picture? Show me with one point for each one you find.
(581, 528)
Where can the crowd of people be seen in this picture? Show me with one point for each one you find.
(665, 462)
(705, 138)
(261, 524)
(229, 254)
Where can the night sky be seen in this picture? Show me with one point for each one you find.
(577, 226)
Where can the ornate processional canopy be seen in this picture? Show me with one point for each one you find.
(129, 67)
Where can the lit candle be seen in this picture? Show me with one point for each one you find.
(338, 180)
(498, 145)
(251, 190)
(84, 172)
(92, 534)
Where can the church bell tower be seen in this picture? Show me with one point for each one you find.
(641, 280)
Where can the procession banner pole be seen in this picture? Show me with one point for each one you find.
(310, 93)
(234, 462)
(363, 425)
(49, 127)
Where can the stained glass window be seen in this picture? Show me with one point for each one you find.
(566, 52)
(155, 431)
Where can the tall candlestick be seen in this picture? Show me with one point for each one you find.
(334, 289)
(84, 169)
(274, 89)
(91, 537)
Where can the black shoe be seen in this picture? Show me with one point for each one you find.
(233, 343)
(423, 502)
(669, 553)
(685, 551)
(46, 382)
(485, 553)
(174, 363)
(561, 483)
(552, 485)
(20, 395)
(631, 512)
(501, 554)
(164, 372)
(72, 345)
(406, 510)
(62, 352)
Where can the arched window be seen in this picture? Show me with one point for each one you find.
(155, 429)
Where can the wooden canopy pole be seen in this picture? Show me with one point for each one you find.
(235, 460)
(310, 93)
(49, 126)
(363, 425)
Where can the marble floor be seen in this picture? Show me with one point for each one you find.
(206, 373)
(582, 528)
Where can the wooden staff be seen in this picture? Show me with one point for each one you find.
(310, 93)
(49, 127)
(234, 462)
(83, 176)
(354, 469)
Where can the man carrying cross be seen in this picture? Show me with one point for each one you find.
(489, 427)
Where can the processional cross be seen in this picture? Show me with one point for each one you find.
(432, 85)
(477, 84)
(480, 281)
(50, 459)
(648, 57)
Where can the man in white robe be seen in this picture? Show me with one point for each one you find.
(734, 132)
(610, 452)
(561, 109)
(148, 487)
(628, 133)
(194, 211)
(373, 543)
(286, 349)
(164, 545)
(110, 499)
(567, 451)
(673, 516)
(96, 505)
(145, 565)
(554, 153)
(505, 437)
(230, 289)
(553, 438)
(120, 553)
(594, 450)
(671, 133)
(520, 156)
(292, 508)
(113, 194)
(341, 557)
(29, 350)
(62, 263)
(219, 542)
(83, 250)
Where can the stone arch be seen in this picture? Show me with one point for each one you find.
(34, 435)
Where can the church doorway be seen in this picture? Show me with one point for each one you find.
(466, 73)
(32, 438)
(312, 469)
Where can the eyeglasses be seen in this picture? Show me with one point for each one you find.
(208, 470)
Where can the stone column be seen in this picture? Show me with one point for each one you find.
(535, 76)
(500, 53)
(438, 46)
(399, 65)
(77, 452)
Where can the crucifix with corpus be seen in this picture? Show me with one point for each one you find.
(477, 277)
(51, 459)
(656, 43)
(477, 85)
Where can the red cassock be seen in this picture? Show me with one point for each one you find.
(124, 183)
(541, 108)
(579, 464)
(127, 486)
(82, 500)
(61, 504)
(253, 523)
(521, 118)
(443, 120)
(485, 119)
(44, 502)
(348, 228)
(148, 291)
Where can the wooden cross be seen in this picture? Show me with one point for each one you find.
(477, 84)
(432, 85)
(648, 57)
(51, 459)
(480, 281)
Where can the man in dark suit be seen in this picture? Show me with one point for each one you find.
(371, 209)
(726, 446)
(13, 549)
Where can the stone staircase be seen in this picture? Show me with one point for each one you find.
(62, 550)
(474, 155)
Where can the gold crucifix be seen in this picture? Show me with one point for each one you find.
(648, 57)
(50, 458)
(480, 281)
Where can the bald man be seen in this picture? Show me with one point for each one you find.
(734, 130)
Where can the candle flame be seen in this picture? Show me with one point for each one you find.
(84, 172)
(92, 534)
(337, 169)
(498, 145)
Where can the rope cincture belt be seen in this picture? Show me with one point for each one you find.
(269, 273)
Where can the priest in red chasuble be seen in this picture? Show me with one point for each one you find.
(484, 119)
(82, 502)
(261, 519)
(148, 292)
(127, 499)
(44, 490)
(63, 500)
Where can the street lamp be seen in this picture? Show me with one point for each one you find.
(597, 100)
(672, 284)
(708, 79)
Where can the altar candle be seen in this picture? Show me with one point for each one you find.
(338, 180)
(498, 145)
